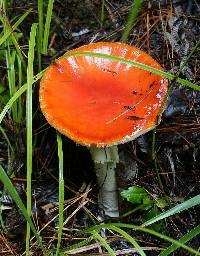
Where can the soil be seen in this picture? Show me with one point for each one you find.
(167, 30)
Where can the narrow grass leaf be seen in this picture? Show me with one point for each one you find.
(138, 65)
(8, 27)
(194, 48)
(12, 100)
(14, 27)
(40, 32)
(47, 26)
(131, 19)
(61, 192)
(12, 191)
(20, 79)
(17, 95)
(184, 239)
(103, 242)
(40, 23)
(130, 239)
(178, 208)
(102, 13)
(10, 63)
(29, 135)
(146, 230)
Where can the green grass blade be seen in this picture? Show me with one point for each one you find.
(178, 208)
(40, 32)
(138, 65)
(47, 26)
(20, 79)
(130, 239)
(40, 23)
(10, 63)
(102, 18)
(12, 191)
(184, 239)
(61, 192)
(11, 101)
(146, 230)
(131, 19)
(103, 242)
(17, 95)
(8, 28)
(188, 57)
(14, 27)
(3, 5)
(29, 135)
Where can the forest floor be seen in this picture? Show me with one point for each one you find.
(167, 31)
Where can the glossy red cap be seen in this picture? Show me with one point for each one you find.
(101, 102)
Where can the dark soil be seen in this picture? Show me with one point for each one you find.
(177, 153)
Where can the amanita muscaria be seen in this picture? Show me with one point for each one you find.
(100, 103)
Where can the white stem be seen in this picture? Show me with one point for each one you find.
(105, 160)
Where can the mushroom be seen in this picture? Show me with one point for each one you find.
(101, 103)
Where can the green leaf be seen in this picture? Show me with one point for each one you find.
(160, 202)
(137, 195)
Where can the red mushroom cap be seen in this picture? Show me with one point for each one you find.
(101, 102)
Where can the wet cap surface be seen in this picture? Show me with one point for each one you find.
(101, 102)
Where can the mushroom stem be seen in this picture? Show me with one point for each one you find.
(105, 161)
